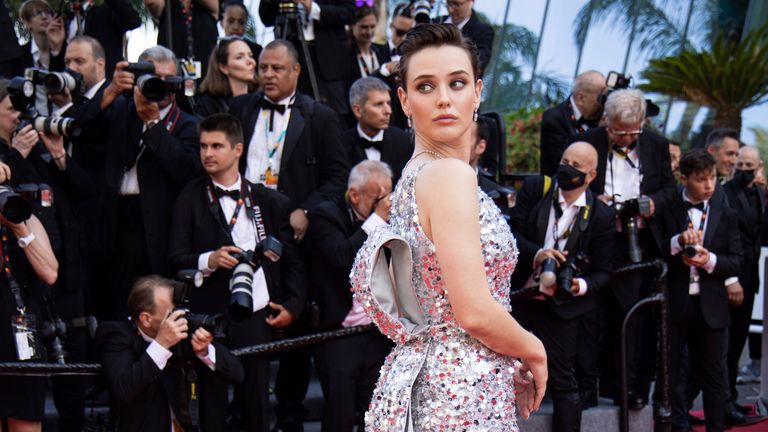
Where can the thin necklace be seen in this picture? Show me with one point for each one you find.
(433, 153)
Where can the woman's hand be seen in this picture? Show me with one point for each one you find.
(533, 379)
(25, 140)
(5, 173)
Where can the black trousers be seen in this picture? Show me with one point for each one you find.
(292, 382)
(332, 92)
(741, 316)
(69, 391)
(587, 368)
(348, 369)
(561, 341)
(706, 355)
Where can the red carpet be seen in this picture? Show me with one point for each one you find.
(756, 424)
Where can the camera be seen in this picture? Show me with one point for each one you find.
(51, 334)
(421, 11)
(627, 211)
(690, 251)
(618, 81)
(15, 203)
(240, 286)
(57, 82)
(154, 88)
(186, 281)
(22, 94)
(563, 278)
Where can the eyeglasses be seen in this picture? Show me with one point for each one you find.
(625, 133)
(39, 12)
(455, 4)
(400, 32)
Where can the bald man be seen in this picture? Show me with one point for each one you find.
(561, 219)
(748, 201)
(573, 116)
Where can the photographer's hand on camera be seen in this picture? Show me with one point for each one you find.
(299, 222)
(201, 339)
(283, 319)
(55, 146)
(307, 3)
(24, 140)
(60, 99)
(172, 330)
(122, 82)
(543, 254)
(146, 110)
(383, 206)
(5, 173)
(651, 207)
(221, 258)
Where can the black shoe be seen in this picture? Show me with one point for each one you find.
(734, 418)
(695, 420)
(588, 400)
(635, 402)
(744, 409)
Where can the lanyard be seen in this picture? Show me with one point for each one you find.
(272, 149)
(567, 232)
(6, 262)
(253, 211)
(702, 221)
(187, 13)
(364, 64)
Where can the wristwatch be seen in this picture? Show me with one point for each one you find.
(25, 241)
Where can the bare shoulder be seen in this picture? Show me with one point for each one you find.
(446, 175)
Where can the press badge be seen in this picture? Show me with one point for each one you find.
(192, 68)
(25, 337)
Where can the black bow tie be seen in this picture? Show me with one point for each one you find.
(367, 144)
(234, 194)
(272, 107)
(689, 205)
(393, 52)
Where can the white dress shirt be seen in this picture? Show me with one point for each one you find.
(41, 100)
(129, 184)
(369, 61)
(262, 140)
(371, 153)
(622, 181)
(245, 236)
(73, 24)
(308, 20)
(160, 354)
(556, 230)
(461, 24)
(694, 215)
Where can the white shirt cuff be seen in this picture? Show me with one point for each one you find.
(731, 280)
(158, 354)
(582, 287)
(314, 12)
(674, 245)
(210, 359)
(202, 263)
(373, 222)
(710, 265)
(384, 71)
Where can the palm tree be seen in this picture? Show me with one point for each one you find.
(729, 78)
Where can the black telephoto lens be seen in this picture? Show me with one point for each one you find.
(14, 207)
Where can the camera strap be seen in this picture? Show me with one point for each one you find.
(702, 221)
(6, 261)
(252, 210)
(169, 123)
(186, 12)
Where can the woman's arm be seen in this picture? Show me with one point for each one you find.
(38, 252)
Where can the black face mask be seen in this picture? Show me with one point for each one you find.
(743, 177)
(569, 178)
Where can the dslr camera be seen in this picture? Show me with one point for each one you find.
(627, 212)
(154, 88)
(422, 9)
(563, 278)
(22, 93)
(57, 82)
(15, 203)
(186, 281)
(617, 81)
(240, 286)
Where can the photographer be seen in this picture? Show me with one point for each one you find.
(569, 118)
(347, 367)
(703, 250)
(151, 152)
(462, 14)
(146, 367)
(562, 228)
(634, 176)
(215, 217)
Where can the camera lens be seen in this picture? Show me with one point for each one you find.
(690, 251)
(548, 275)
(240, 294)
(56, 82)
(58, 126)
(152, 87)
(13, 206)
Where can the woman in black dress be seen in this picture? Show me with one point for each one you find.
(232, 72)
(27, 251)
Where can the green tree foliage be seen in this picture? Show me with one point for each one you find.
(523, 136)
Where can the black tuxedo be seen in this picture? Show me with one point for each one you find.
(199, 227)
(107, 23)
(700, 322)
(204, 32)
(397, 148)
(348, 368)
(558, 126)
(10, 51)
(145, 395)
(314, 164)
(481, 34)
(750, 207)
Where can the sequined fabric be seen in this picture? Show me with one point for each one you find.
(438, 378)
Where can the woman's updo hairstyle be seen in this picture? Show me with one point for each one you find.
(432, 36)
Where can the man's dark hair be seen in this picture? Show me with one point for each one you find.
(403, 10)
(226, 123)
(96, 48)
(142, 295)
(425, 36)
(716, 137)
(482, 132)
(277, 43)
(696, 160)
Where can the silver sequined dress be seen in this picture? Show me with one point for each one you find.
(438, 377)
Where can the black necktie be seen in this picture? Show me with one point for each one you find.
(272, 107)
(689, 205)
(367, 144)
(234, 194)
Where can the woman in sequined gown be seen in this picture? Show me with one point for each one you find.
(454, 367)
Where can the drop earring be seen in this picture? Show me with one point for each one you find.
(410, 123)
(474, 116)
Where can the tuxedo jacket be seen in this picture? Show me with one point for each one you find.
(199, 227)
(107, 23)
(382, 55)
(481, 34)
(26, 60)
(10, 51)
(658, 181)
(314, 164)
(750, 217)
(89, 149)
(335, 238)
(592, 233)
(397, 148)
(558, 126)
(170, 159)
(722, 238)
(331, 40)
(145, 394)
